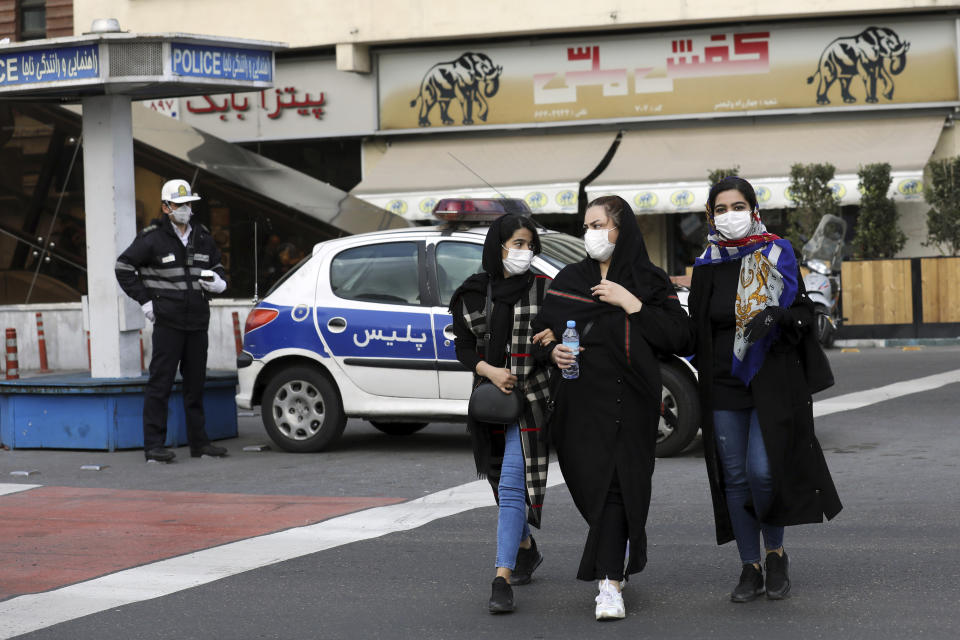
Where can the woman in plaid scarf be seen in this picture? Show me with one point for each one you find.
(514, 458)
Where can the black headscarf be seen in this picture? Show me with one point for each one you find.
(570, 296)
(506, 291)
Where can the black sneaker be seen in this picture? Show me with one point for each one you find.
(527, 562)
(501, 599)
(750, 586)
(778, 582)
(211, 450)
(159, 454)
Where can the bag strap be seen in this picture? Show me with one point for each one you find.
(485, 340)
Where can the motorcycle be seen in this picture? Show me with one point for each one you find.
(822, 255)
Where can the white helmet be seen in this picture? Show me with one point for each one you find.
(177, 191)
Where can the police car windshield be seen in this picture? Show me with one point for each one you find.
(559, 249)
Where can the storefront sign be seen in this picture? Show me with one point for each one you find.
(50, 65)
(311, 100)
(710, 71)
(221, 63)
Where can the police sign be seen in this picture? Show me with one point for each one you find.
(49, 65)
(223, 63)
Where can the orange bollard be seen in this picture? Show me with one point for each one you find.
(42, 343)
(89, 363)
(13, 367)
(236, 332)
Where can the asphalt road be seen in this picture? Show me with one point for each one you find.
(886, 567)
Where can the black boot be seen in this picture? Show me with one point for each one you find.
(501, 599)
(778, 582)
(527, 562)
(750, 585)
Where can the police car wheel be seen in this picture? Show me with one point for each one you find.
(301, 410)
(398, 428)
(679, 411)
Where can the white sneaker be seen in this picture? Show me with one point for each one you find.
(609, 602)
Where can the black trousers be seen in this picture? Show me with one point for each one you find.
(612, 535)
(173, 347)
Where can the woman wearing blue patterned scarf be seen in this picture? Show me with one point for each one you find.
(750, 316)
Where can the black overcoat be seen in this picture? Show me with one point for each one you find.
(606, 420)
(803, 489)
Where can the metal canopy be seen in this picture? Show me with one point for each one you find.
(141, 66)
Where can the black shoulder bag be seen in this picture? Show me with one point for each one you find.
(487, 402)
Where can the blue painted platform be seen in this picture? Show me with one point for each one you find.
(75, 411)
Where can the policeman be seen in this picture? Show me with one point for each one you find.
(171, 269)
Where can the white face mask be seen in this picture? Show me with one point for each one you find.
(517, 261)
(598, 245)
(733, 225)
(182, 214)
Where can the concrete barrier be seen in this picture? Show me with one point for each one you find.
(64, 329)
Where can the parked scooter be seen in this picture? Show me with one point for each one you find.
(822, 255)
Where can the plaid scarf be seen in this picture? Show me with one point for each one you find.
(534, 383)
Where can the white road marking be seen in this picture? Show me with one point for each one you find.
(860, 399)
(31, 612)
(27, 613)
(7, 489)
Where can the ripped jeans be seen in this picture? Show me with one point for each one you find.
(746, 474)
(512, 525)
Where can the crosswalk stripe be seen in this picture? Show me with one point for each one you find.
(860, 399)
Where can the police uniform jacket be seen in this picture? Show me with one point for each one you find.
(158, 267)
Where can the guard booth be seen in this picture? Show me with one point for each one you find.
(104, 71)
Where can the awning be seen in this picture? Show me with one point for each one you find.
(544, 169)
(255, 173)
(665, 170)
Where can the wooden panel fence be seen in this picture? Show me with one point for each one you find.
(941, 289)
(877, 292)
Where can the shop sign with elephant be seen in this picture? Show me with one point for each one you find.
(708, 71)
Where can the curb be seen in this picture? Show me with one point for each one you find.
(898, 342)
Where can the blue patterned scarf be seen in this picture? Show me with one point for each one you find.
(768, 277)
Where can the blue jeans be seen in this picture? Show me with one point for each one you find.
(512, 520)
(746, 474)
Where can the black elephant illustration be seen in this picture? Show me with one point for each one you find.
(875, 52)
(470, 78)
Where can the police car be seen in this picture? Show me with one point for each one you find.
(360, 329)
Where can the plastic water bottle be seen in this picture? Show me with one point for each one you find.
(571, 340)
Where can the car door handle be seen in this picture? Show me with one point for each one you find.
(336, 325)
(448, 332)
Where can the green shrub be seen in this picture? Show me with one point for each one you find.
(942, 191)
(717, 175)
(813, 198)
(877, 235)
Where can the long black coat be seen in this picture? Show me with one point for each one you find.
(606, 420)
(803, 489)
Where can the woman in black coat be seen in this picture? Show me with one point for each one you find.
(752, 322)
(604, 426)
(514, 458)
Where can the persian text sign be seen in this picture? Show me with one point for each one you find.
(707, 71)
(49, 65)
(311, 99)
(223, 63)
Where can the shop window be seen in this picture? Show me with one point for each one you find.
(33, 19)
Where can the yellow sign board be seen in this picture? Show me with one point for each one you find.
(709, 71)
